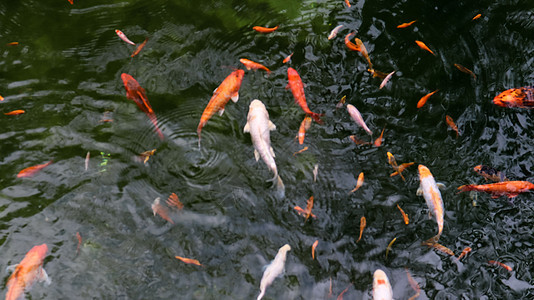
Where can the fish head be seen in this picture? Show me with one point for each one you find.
(509, 98)
(478, 168)
(285, 248)
(424, 172)
(256, 104)
(238, 76)
(381, 286)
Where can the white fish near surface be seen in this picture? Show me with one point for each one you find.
(381, 286)
(274, 269)
(430, 191)
(385, 81)
(357, 117)
(259, 126)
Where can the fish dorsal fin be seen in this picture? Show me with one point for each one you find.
(441, 186)
(419, 191)
(11, 268)
(256, 155)
(272, 152)
(272, 126)
(235, 97)
(246, 128)
(44, 277)
(221, 111)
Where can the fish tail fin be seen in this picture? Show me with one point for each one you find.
(317, 117)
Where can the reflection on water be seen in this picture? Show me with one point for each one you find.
(65, 73)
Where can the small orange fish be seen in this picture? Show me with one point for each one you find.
(401, 168)
(378, 74)
(288, 58)
(309, 206)
(378, 141)
(464, 252)
(1, 98)
(29, 270)
(363, 51)
(302, 212)
(30, 171)
(393, 163)
(123, 37)
(465, 70)
(340, 297)
(146, 155)
(79, 237)
(359, 183)
(304, 126)
(313, 248)
(451, 124)
(15, 112)
(174, 201)
(390, 246)
(300, 151)
(357, 141)
(404, 215)
(249, 64)
(414, 285)
(161, 210)
(439, 247)
(363, 223)
(404, 25)
(348, 5)
(423, 99)
(506, 188)
(490, 173)
(522, 97)
(297, 89)
(350, 44)
(13, 44)
(500, 264)
(264, 29)
(189, 261)
(139, 48)
(341, 102)
(476, 17)
(424, 47)
(71, 1)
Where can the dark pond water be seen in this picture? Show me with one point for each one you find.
(65, 73)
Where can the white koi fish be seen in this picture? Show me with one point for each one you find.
(259, 126)
(430, 191)
(357, 117)
(381, 287)
(274, 269)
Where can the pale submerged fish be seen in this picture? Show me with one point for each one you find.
(381, 286)
(274, 269)
(357, 117)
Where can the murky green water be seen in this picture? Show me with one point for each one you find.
(65, 73)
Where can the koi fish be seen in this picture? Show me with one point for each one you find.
(300, 151)
(363, 51)
(451, 124)
(381, 286)
(139, 48)
(264, 29)
(424, 47)
(350, 44)
(303, 212)
(377, 73)
(404, 25)
(476, 17)
(385, 81)
(506, 188)
(15, 112)
(309, 206)
(464, 252)
(313, 248)
(357, 117)
(490, 173)
(228, 89)
(259, 126)
(13, 44)
(334, 32)
(315, 171)
(29, 270)
(500, 264)
(297, 88)
(363, 223)
(404, 215)
(190, 261)
(123, 37)
(423, 100)
(79, 237)
(378, 141)
(87, 157)
(358, 141)
(31, 171)
(288, 58)
(430, 191)
(359, 183)
(162, 211)
(1, 98)
(465, 70)
(137, 94)
(347, 3)
(145, 156)
(439, 247)
(402, 167)
(174, 201)
(304, 126)
(274, 269)
(71, 1)
(390, 246)
(522, 97)
(414, 285)
(392, 162)
(249, 64)
(340, 296)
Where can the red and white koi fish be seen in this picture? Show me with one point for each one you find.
(274, 269)
(137, 94)
(228, 89)
(27, 272)
(430, 191)
(297, 88)
(259, 126)
(357, 117)
(381, 286)
(505, 188)
(123, 37)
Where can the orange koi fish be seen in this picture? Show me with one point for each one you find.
(162, 211)
(79, 237)
(71, 1)
(424, 47)
(439, 247)
(264, 29)
(490, 173)
(358, 141)
(174, 201)
(297, 88)
(451, 124)
(381, 286)
(13, 44)
(15, 112)
(476, 17)
(304, 126)
(423, 100)
(300, 151)
(363, 223)
(350, 44)
(288, 58)
(386, 79)
(31, 171)
(359, 183)
(137, 94)
(309, 206)
(29, 270)
(464, 252)
(404, 25)
(228, 89)
(1, 98)
(500, 264)
(313, 248)
(249, 64)
(392, 162)
(348, 5)
(522, 97)
(378, 74)
(506, 188)
(430, 191)
(378, 141)
(123, 37)
(302, 212)
(334, 32)
(145, 156)
(139, 48)
(402, 167)
(465, 70)
(404, 215)
(188, 260)
(390, 246)
(363, 51)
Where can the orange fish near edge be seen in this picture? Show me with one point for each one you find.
(297, 88)
(15, 112)
(522, 97)
(29, 270)
(30, 171)
(505, 188)
(423, 99)
(137, 94)
(404, 25)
